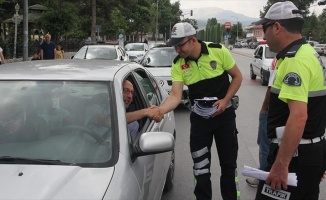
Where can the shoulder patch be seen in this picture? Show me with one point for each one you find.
(176, 59)
(292, 79)
(214, 45)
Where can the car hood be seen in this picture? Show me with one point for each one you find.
(53, 182)
(160, 71)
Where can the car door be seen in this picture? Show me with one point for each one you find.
(150, 170)
(258, 60)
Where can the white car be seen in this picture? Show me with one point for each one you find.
(105, 52)
(261, 63)
(158, 61)
(136, 51)
(53, 146)
(320, 48)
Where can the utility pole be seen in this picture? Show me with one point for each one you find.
(156, 32)
(25, 29)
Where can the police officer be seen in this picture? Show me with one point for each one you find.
(297, 108)
(205, 68)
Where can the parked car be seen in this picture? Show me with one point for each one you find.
(105, 52)
(156, 44)
(48, 158)
(158, 61)
(244, 44)
(320, 48)
(237, 45)
(253, 45)
(312, 43)
(261, 63)
(136, 51)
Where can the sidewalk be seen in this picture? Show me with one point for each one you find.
(67, 56)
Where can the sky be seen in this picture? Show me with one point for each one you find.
(249, 8)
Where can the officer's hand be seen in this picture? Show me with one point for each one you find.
(323, 177)
(221, 106)
(278, 177)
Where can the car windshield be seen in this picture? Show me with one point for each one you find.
(57, 122)
(269, 54)
(93, 52)
(159, 57)
(134, 47)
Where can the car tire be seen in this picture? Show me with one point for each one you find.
(252, 75)
(262, 79)
(169, 182)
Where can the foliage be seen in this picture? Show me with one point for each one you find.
(59, 20)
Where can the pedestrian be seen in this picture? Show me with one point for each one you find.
(145, 41)
(205, 68)
(35, 57)
(48, 50)
(2, 58)
(297, 108)
(59, 52)
(262, 140)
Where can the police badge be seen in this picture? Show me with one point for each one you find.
(213, 64)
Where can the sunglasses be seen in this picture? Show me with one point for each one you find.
(181, 45)
(265, 26)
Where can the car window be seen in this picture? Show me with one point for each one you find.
(159, 57)
(135, 47)
(150, 89)
(67, 122)
(81, 53)
(269, 53)
(260, 52)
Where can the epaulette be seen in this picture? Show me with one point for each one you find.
(293, 51)
(214, 45)
(176, 59)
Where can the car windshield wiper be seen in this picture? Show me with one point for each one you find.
(38, 161)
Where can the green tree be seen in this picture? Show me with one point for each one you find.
(59, 20)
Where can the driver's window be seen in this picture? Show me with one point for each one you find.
(148, 87)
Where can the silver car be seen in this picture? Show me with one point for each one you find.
(52, 147)
(104, 52)
(320, 48)
(158, 60)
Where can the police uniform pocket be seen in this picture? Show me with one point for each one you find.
(310, 154)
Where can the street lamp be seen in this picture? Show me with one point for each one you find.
(16, 19)
(237, 26)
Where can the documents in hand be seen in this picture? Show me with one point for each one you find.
(262, 175)
(204, 107)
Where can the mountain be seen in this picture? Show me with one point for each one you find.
(222, 16)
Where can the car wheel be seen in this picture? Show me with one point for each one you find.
(252, 75)
(169, 182)
(262, 79)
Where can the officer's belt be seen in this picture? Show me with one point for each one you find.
(304, 141)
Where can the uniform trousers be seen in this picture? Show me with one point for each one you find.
(223, 129)
(309, 167)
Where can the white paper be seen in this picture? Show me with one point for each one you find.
(262, 175)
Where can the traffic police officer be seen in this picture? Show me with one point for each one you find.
(205, 68)
(297, 108)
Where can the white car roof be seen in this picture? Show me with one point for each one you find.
(65, 69)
